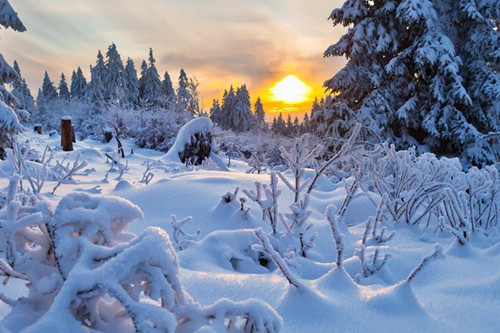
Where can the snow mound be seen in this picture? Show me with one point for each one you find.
(194, 143)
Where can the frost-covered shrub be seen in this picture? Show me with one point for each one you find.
(9, 126)
(158, 128)
(84, 271)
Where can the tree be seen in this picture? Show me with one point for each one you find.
(48, 92)
(113, 79)
(142, 79)
(260, 114)
(9, 123)
(63, 89)
(152, 83)
(241, 117)
(95, 88)
(279, 125)
(183, 95)
(167, 89)
(131, 84)
(78, 85)
(420, 72)
(21, 91)
(216, 112)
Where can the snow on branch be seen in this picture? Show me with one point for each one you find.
(438, 252)
(332, 217)
(275, 256)
(346, 148)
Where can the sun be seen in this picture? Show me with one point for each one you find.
(290, 90)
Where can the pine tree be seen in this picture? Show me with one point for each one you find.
(167, 89)
(296, 126)
(131, 84)
(63, 89)
(420, 72)
(216, 112)
(21, 91)
(9, 122)
(306, 124)
(289, 126)
(95, 88)
(193, 103)
(78, 85)
(260, 115)
(241, 117)
(279, 125)
(113, 79)
(152, 83)
(8, 19)
(48, 92)
(183, 95)
(142, 79)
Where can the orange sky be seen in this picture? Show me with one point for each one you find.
(220, 42)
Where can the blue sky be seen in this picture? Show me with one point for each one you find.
(218, 41)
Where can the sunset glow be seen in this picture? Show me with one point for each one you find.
(291, 90)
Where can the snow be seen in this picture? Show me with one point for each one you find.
(8, 119)
(219, 269)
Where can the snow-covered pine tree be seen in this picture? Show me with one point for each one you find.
(183, 95)
(8, 19)
(113, 79)
(78, 85)
(94, 89)
(193, 104)
(152, 83)
(228, 103)
(48, 92)
(216, 112)
(241, 117)
(167, 90)
(306, 127)
(278, 126)
(9, 123)
(289, 126)
(21, 91)
(63, 89)
(142, 79)
(420, 72)
(260, 114)
(131, 84)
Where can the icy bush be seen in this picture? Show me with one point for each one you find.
(84, 271)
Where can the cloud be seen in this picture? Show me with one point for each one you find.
(219, 41)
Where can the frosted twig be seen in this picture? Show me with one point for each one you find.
(437, 252)
(275, 256)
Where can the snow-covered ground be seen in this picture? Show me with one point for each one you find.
(459, 292)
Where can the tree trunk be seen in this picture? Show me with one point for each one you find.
(37, 128)
(66, 134)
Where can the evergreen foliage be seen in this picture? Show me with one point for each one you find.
(113, 80)
(63, 89)
(78, 85)
(152, 83)
(130, 83)
(419, 73)
(22, 93)
(48, 92)
(183, 95)
(167, 89)
(9, 122)
(260, 114)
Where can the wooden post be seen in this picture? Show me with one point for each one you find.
(37, 128)
(66, 134)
